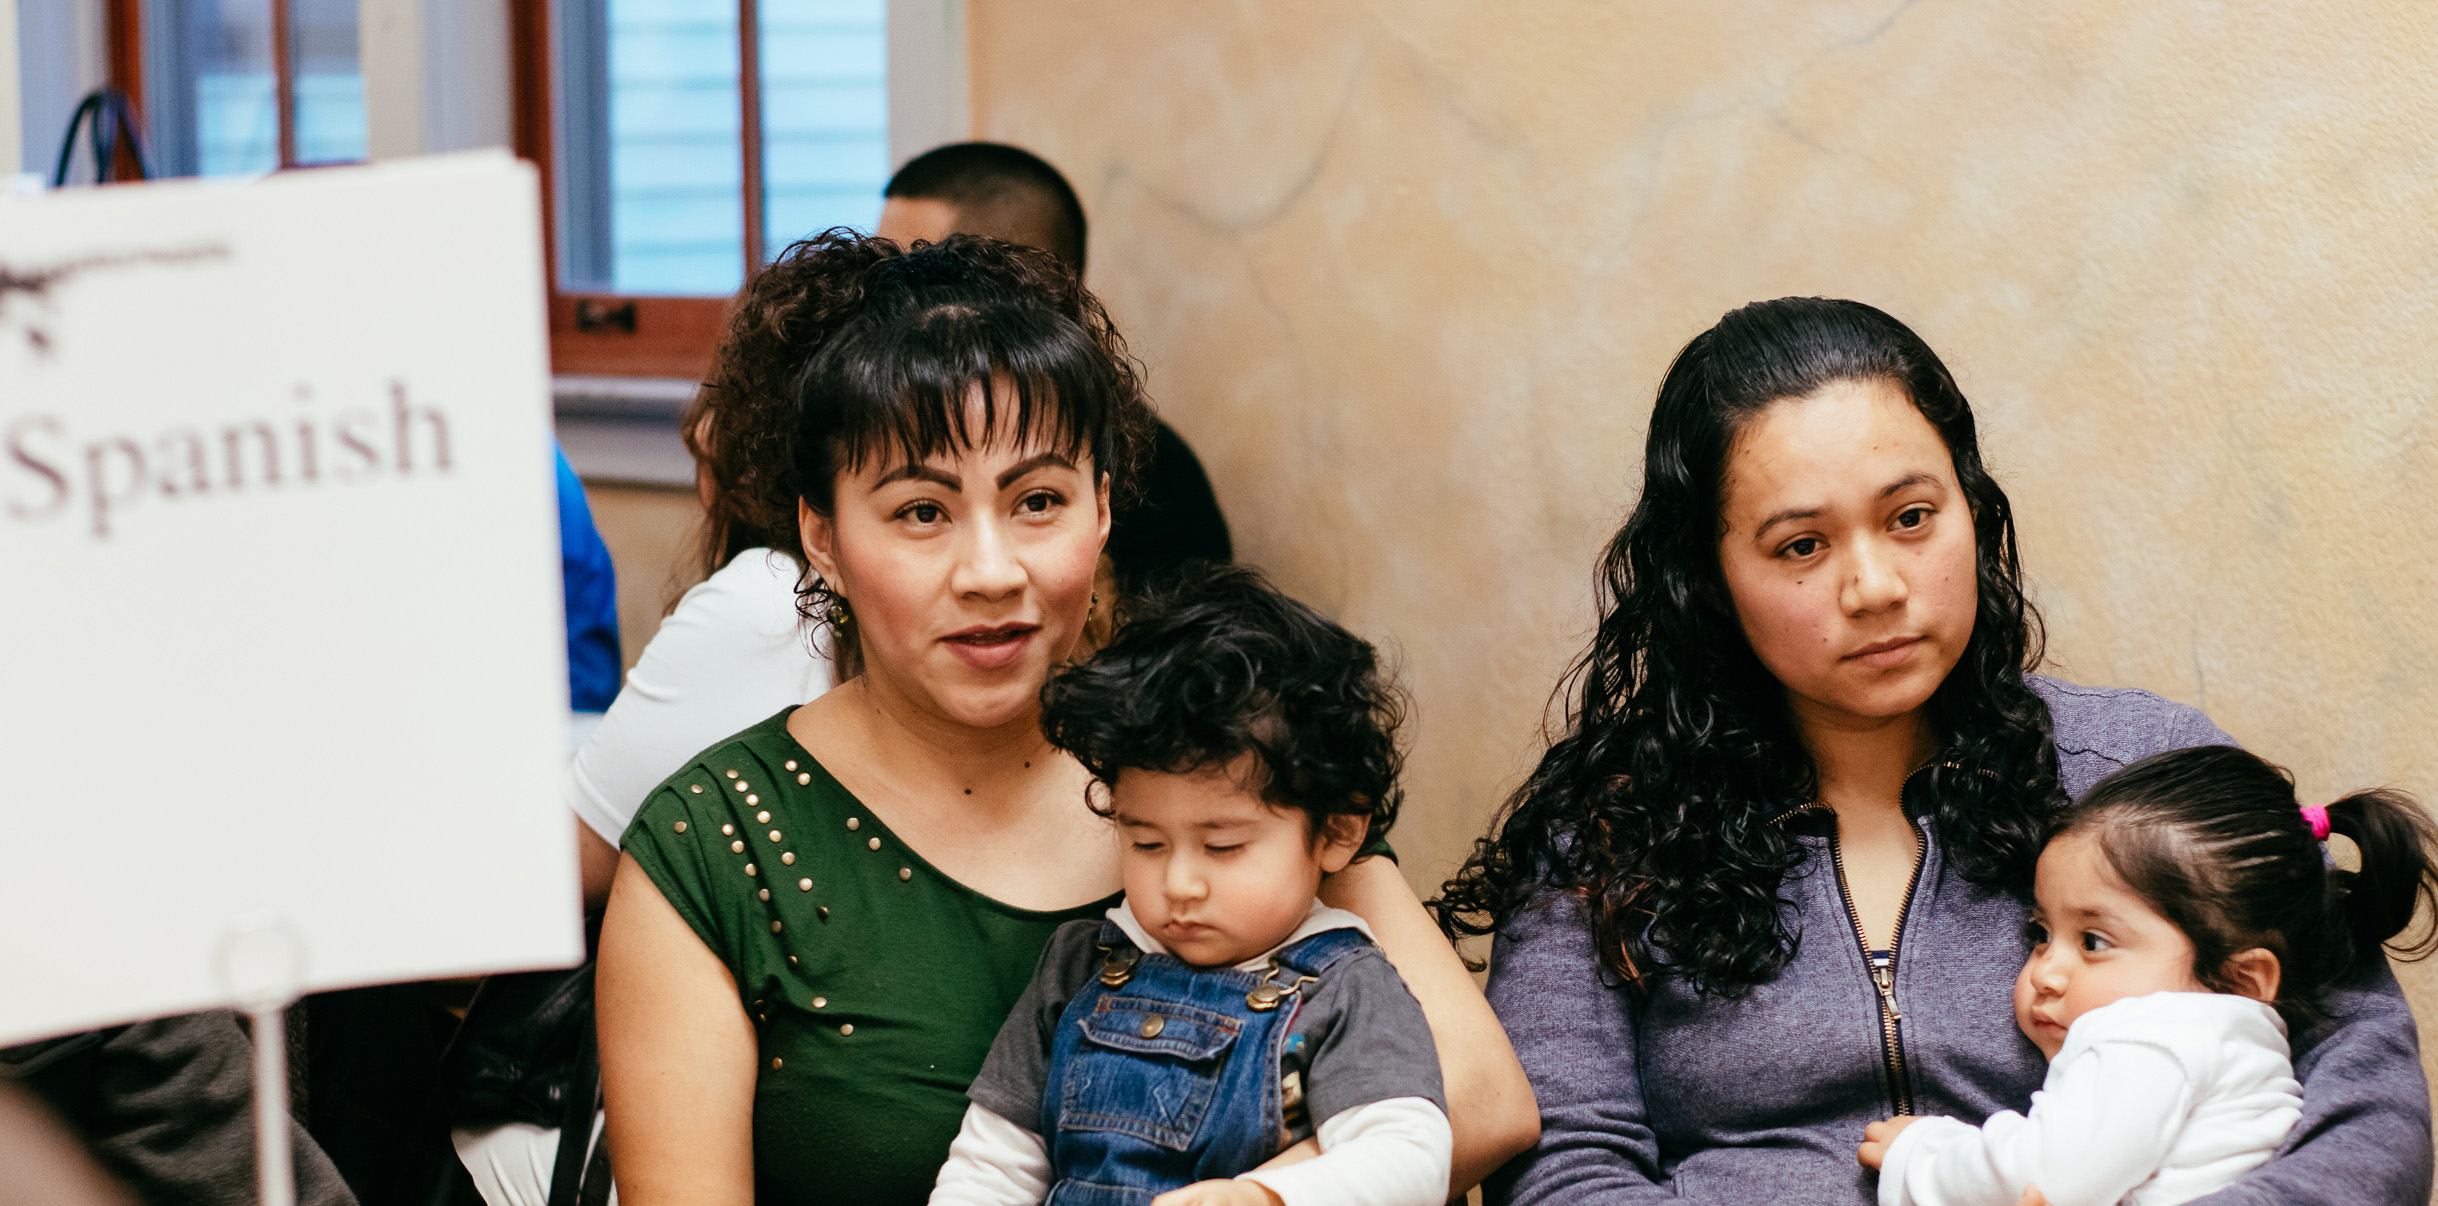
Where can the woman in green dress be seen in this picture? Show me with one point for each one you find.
(818, 925)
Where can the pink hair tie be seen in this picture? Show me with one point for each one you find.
(2317, 815)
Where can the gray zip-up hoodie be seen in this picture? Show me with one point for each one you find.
(1763, 1097)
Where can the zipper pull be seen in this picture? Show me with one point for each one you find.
(1883, 977)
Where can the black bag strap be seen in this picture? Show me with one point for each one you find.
(113, 115)
(582, 1101)
(597, 1175)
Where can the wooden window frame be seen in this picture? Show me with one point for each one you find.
(600, 334)
(126, 37)
(619, 335)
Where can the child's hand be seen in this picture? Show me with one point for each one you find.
(1220, 1193)
(1877, 1136)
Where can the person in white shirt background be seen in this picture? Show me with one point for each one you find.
(2185, 916)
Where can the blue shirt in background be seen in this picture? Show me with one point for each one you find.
(593, 660)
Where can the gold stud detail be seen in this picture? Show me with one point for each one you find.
(765, 893)
(854, 823)
(904, 874)
(874, 843)
(763, 816)
(791, 960)
(774, 927)
(737, 846)
(776, 1063)
(791, 764)
(823, 912)
(804, 885)
(789, 858)
(698, 789)
(821, 1002)
(774, 835)
(681, 826)
(804, 779)
(727, 831)
(732, 774)
(750, 869)
(751, 800)
(849, 1028)
(740, 785)
(1152, 1026)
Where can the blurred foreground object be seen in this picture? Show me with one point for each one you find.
(167, 1106)
(41, 1164)
(295, 480)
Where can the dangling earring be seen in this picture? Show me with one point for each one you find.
(839, 617)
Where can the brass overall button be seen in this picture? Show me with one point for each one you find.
(1119, 966)
(1153, 1025)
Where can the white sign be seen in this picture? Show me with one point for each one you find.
(280, 638)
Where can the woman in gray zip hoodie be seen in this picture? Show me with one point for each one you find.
(1769, 886)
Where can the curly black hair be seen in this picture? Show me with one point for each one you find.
(846, 342)
(1221, 664)
(1660, 801)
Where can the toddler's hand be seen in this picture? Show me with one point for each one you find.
(1877, 1136)
(1220, 1193)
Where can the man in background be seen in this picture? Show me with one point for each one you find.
(988, 188)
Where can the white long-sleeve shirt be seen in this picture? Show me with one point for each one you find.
(2153, 1100)
(1395, 1152)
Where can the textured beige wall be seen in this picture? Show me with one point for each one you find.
(651, 535)
(1406, 274)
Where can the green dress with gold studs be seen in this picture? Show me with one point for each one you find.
(875, 983)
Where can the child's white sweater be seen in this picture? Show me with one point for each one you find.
(2153, 1100)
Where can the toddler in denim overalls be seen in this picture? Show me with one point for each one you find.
(1245, 748)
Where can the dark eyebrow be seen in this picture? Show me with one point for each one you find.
(914, 472)
(2103, 919)
(1780, 517)
(1792, 513)
(1908, 480)
(1039, 460)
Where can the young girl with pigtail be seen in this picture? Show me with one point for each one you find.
(2186, 916)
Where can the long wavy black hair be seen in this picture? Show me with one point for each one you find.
(1661, 803)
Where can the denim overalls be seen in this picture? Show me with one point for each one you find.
(1162, 1074)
